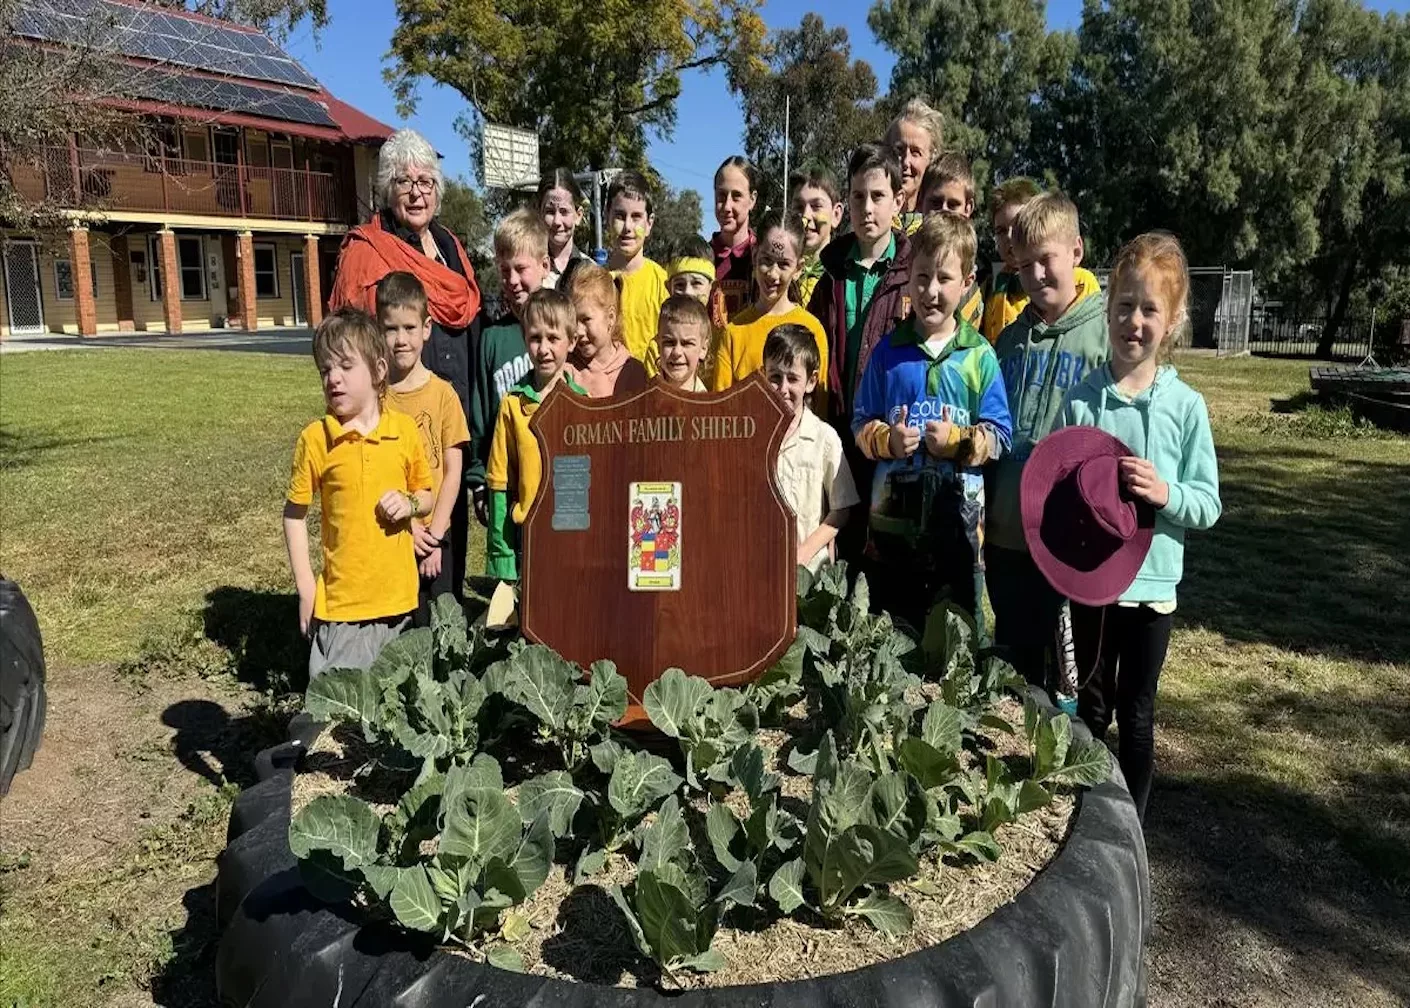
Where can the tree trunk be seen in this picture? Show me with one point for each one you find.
(1338, 314)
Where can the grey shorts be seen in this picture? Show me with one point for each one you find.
(351, 645)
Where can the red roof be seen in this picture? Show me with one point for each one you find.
(357, 126)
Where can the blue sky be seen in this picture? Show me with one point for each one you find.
(347, 58)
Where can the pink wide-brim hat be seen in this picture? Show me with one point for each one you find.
(1085, 532)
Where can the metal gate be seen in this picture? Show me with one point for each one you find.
(22, 288)
(1234, 314)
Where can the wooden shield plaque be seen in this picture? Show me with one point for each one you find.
(658, 538)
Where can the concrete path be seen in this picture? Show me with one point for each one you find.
(283, 341)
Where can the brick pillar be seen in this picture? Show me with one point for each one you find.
(82, 269)
(122, 284)
(171, 279)
(313, 283)
(245, 280)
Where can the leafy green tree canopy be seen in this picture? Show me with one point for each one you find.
(678, 215)
(831, 98)
(591, 77)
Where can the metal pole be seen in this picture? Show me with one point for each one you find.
(596, 211)
(783, 214)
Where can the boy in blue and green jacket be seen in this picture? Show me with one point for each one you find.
(930, 411)
(1058, 339)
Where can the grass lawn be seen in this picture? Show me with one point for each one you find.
(139, 508)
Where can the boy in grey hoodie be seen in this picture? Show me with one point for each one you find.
(1049, 348)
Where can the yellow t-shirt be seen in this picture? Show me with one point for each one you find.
(643, 293)
(741, 350)
(436, 411)
(369, 571)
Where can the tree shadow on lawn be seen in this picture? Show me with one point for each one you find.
(1256, 904)
(22, 449)
(1316, 562)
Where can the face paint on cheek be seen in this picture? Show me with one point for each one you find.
(639, 231)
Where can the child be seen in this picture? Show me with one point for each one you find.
(630, 217)
(1058, 340)
(692, 274)
(692, 269)
(683, 339)
(916, 138)
(561, 203)
(930, 412)
(1138, 398)
(862, 295)
(948, 185)
(817, 203)
(600, 363)
(776, 263)
(812, 473)
(499, 358)
(733, 243)
(369, 470)
(1004, 298)
(515, 467)
(433, 404)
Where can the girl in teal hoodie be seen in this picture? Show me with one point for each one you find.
(1120, 648)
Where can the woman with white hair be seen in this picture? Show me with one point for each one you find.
(404, 236)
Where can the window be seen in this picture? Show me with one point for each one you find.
(191, 264)
(266, 272)
(63, 278)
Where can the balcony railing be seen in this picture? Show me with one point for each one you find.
(114, 181)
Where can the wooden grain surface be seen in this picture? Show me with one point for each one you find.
(735, 612)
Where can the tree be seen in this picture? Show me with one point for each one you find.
(276, 18)
(678, 215)
(980, 62)
(463, 214)
(832, 105)
(590, 76)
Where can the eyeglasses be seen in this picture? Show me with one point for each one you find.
(404, 185)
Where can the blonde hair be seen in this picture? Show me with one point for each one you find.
(945, 233)
(929, 119)
(548, 307)
(522, 231)
(593, 283)
(1158, 252)
(1049, 215)
(352, 331)
(1019, 189)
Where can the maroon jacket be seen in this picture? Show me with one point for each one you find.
(889, 305)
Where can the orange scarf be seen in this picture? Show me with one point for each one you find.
(370, 252)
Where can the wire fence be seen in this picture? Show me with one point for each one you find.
(1276, 334)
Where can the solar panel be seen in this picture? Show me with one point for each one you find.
(147, 34)
(228, 95)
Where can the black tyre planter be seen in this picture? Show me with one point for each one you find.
(22, 700)
(1073, 937)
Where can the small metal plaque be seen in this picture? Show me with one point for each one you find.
(572, 476)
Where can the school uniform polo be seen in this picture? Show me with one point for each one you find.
(369, 570)
(859, 288)
(513, 475)
(814, 478)
(643, 294)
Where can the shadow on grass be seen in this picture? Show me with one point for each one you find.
(20, 450)
(260, 629)
(1312, 561)
(1254, 904)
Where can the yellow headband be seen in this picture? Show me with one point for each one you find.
(690, 264)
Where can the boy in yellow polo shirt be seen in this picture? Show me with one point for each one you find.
(369, 470)
(630, 216)
(515, 467)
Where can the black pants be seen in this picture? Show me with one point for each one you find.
(1025, 611)
(459, 542)
(909, 595)
(433, 587)
(1120, 651)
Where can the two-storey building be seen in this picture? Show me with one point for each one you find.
(225, 212)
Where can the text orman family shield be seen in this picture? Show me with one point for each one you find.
(658, 538)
